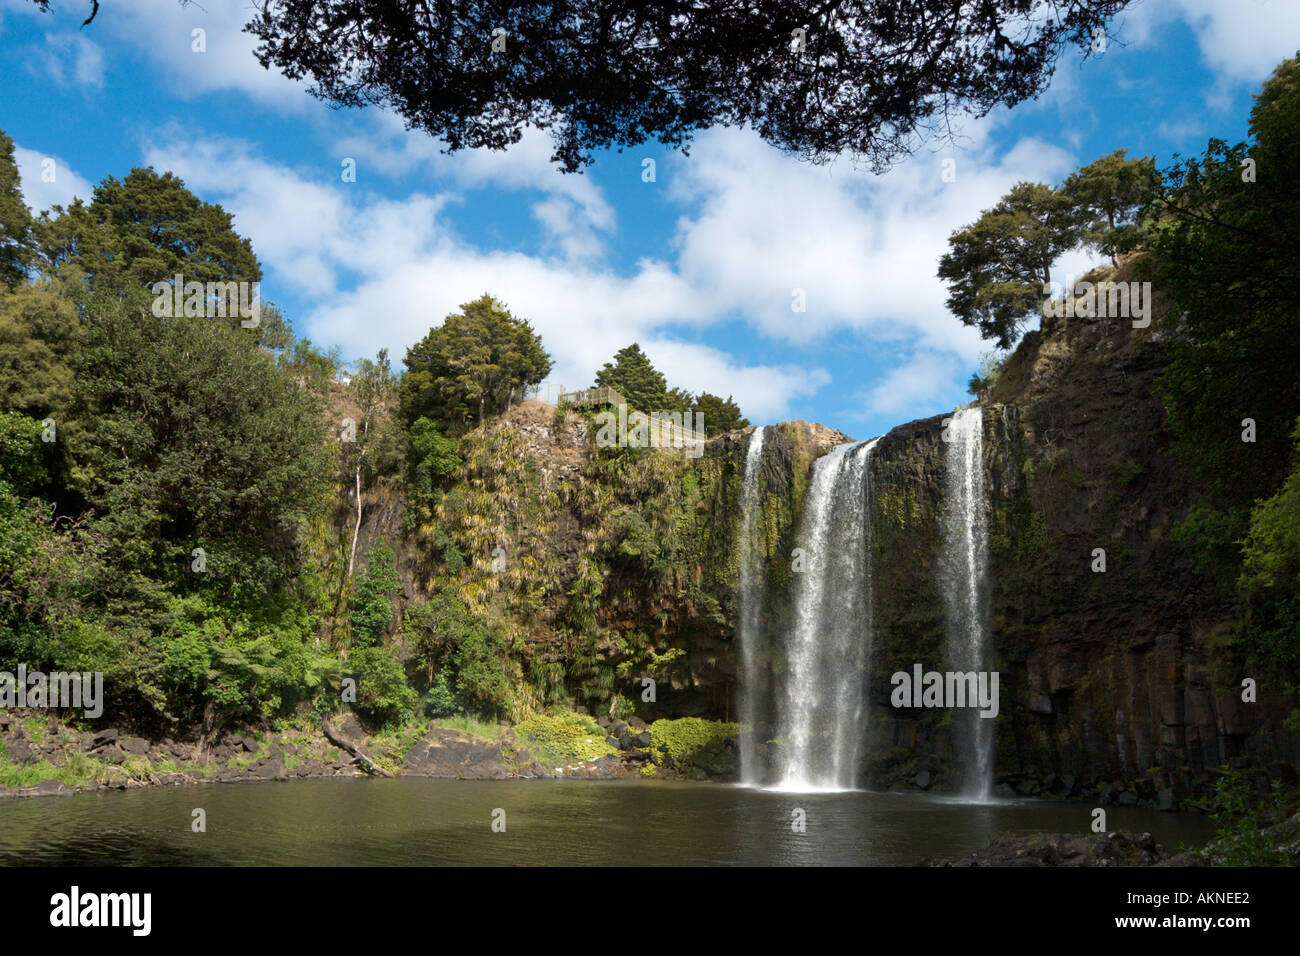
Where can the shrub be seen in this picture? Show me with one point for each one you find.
(689, 735)
(383, 695)
(372, 603)
(566, 738)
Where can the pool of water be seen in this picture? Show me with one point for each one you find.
(547, 822)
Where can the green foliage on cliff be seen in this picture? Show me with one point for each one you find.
(1223, 235)
(1244, 815)
(696, 746)
(372, 602)
(471, 366)
(562, 739)
(383, 694)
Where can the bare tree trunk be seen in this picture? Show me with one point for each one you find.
(352, 558)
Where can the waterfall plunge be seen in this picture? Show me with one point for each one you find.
(822, 702)
(750, 601)
(966, 587)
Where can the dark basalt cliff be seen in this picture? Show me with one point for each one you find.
(1109, 679)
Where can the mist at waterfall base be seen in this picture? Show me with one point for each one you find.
(816, 703)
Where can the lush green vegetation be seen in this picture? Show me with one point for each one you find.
(635, 377)
(1244, 816)
(183, 497)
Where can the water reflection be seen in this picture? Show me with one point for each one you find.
(448, 822)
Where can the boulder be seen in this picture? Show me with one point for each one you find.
(348, 726)
(922, 780)
(19, 751)
(642, 739)
(613, 742)
(1166, 800)
(134, 745)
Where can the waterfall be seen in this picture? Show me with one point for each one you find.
(750, 600)
(821, 708)
(965, 587)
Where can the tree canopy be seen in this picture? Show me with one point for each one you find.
(720, 414)
(146, 228)
(17, 247)
(998, 267)
(865, 77)
(1223, 234)
(1106, 196)
(474, 364)
(635, 377)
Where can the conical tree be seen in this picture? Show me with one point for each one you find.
(17, 250)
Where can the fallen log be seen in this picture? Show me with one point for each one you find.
(338, 740)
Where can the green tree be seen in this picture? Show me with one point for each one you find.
(1270, 578)
(17, 243)
(309, 366)
(1222, 255)
(1106, 196)
(372, 601)
(197, 441)
(383, 694)
(143, 229)
(720, 415)
(634, 376)
(473, 365)
(39, 329)
(998, 267)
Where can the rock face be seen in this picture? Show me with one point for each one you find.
(1107, 677)
(453, 753)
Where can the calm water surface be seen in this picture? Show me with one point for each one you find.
(448, 822)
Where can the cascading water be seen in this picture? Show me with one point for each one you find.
(821, 705)
(966, 587)
(751, 608)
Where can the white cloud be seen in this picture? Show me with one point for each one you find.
(575, 214)
(910, 388)
(755, 225)
(164, 31)
(1241, 42)
(47, 180)
(864, 249)
(68, 59)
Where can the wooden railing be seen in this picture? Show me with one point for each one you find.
(593, 396)
(668, 431)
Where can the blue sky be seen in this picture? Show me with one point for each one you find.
(699, 266)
